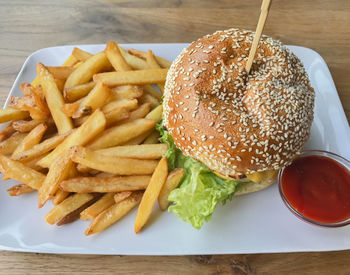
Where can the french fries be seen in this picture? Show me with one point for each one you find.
(121, 133)
(87, 131)
(77, 92)
(54, 99)
(85, 71)
(103, 203)
(18, 171)
(76, 135)
(105, 185)
(97, 98)
(60, 72)
(113, 213)
(150, 196)
(7, 131)
(140, 112)
(8, 146)
(173, 180)
(115, 57)
(67, 206)
(59, 170)
(19, 189)
(153, 64)
(60, 196)
(127, 92)
(155, 114)
(161, 61)
(143, 151)
(25, 126)
(8, 114)
(105, 163)
(153, 138)
(33, 138)
(80, 54)
(41, 148)
(141, 77)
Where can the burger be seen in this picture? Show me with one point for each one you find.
(229, 130)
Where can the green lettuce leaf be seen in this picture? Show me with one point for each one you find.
(200, 190)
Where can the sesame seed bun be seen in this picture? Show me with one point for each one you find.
(238, 124)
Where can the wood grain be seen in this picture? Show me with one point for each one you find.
(26, 26)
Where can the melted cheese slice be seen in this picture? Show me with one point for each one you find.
(260, 176)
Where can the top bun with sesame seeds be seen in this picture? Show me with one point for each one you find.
(238, 124)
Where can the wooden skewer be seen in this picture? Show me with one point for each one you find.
(259, 29)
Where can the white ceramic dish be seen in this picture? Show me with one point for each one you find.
(256, 223)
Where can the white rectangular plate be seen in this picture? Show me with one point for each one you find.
(255, 223)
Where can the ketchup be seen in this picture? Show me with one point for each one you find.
(318, 188)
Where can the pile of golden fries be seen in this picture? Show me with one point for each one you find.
(83, 136)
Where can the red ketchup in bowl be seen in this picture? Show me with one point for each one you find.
(318, 188)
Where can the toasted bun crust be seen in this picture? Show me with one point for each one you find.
(233, 122)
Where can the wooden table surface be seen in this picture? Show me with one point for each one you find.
(26, 26)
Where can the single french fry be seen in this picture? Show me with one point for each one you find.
(105, 185)
(60, 72)
(54, 100)
(116, 115)
(75, 214)
(153, 92)
(25, 126)
(153, 138)
(33, 138)
(18, 171)
(150, 196)
(19, 189)
(42, 148)
(70, 61)
(147, 98)
(153, 64)
(113, 214)
(173, 181)
(156, 114)
(85, 71)
(141, 77)
(161, 61)
(139, 139)
(121, 133)
(104, 175)
(143, 151)
(120, 196)
(77, 92)
(76, 65)
(140, 112)
(135, 62)
(127, 92)
(59, 171)
(8, 114)
(128, 104)
(67, 206)
(60, 196)
(115, 57)
(105, 163)
(80, 54)
(97, 98)
(93, 210)
(7, 131)
(8, 146)
(82, 135)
